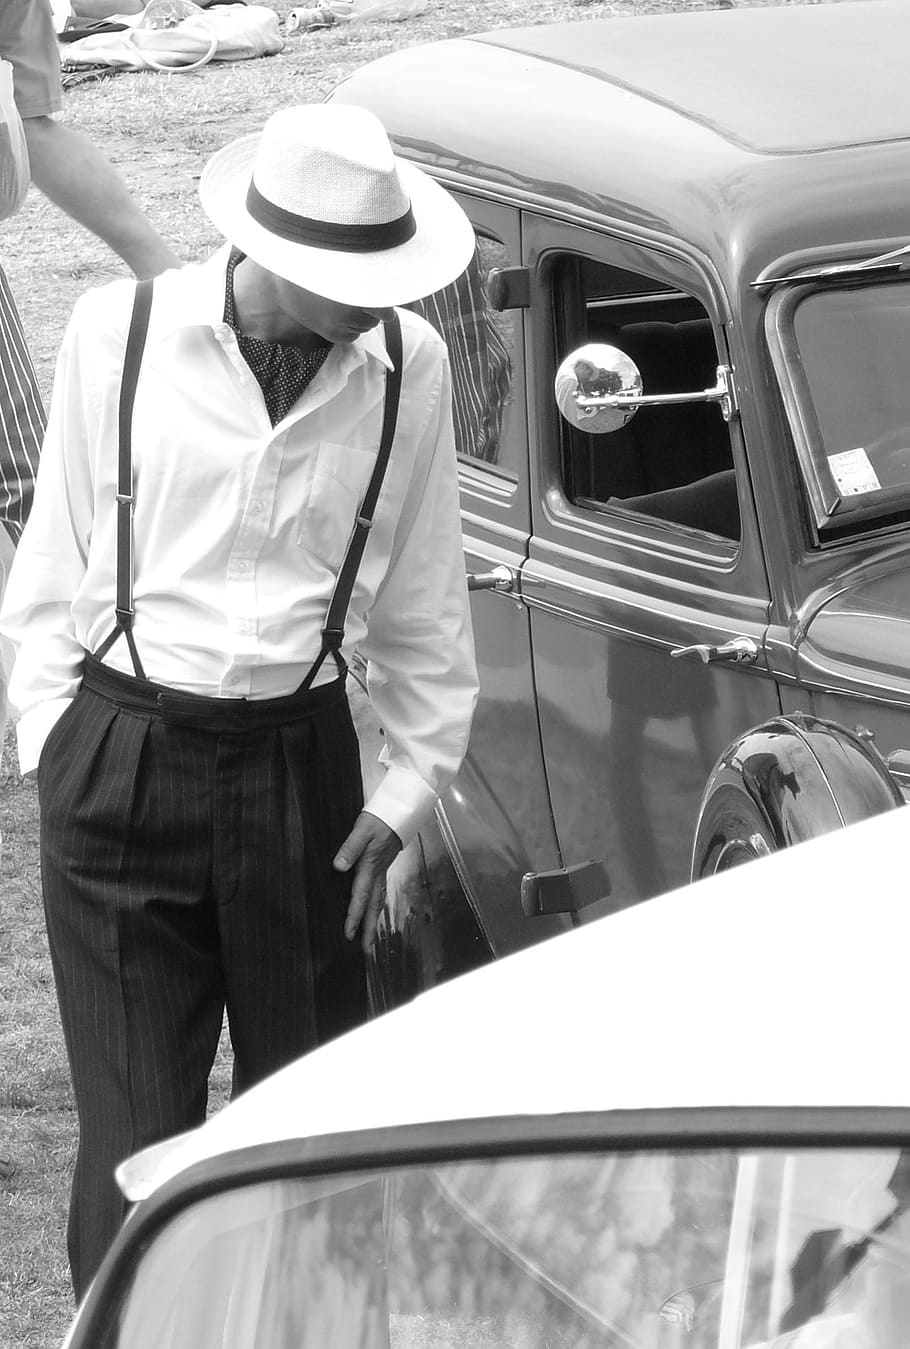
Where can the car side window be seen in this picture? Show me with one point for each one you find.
(672, 462)
(481, 345)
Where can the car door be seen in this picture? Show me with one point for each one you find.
(496, 819)
(644, 544)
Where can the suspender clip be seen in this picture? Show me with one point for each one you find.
(332, 638)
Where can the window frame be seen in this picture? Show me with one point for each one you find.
(587, 540)
(500, 491)
(574, 443)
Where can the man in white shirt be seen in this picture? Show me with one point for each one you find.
(182, 621)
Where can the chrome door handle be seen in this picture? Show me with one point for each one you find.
(738, 651)
(500, 578)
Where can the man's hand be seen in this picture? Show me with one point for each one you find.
(369, 850)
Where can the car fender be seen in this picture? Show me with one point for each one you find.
(788, 780)
(427, 932)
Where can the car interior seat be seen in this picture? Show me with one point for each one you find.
(673, 462)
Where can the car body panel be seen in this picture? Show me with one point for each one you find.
(497, 815)
(710, 152)
(642, 738)
(870, 613)
(608, 604)
(497, 819)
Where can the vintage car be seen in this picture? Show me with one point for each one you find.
(683, 414)
(686, 1126)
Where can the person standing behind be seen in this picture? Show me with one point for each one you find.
(184, 610)
(77, 177)
(65, 165)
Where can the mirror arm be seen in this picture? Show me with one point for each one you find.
(722, 393)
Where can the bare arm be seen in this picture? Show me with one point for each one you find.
(78, 178)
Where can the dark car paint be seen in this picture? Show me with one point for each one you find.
(785, 782)
(728, 147)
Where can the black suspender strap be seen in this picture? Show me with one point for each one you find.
(333, 632)
(132, 361)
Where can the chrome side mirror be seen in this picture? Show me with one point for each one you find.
(599, 389)
(589, 377)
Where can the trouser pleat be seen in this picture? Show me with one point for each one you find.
(184, 870)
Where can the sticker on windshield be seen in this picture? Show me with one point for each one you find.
(853, 472)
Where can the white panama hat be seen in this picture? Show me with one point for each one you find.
(319, 198)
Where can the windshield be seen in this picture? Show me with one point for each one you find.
(659, 1250)
(850, 374)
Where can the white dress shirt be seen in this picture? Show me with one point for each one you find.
(240, 528)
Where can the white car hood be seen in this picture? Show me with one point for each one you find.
(783, 982)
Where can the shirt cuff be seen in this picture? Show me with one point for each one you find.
(403, 801)
(33, 729)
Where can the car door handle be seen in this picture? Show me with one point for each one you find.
(738, 651)
(500, 578)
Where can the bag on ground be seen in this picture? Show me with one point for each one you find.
(228, 32)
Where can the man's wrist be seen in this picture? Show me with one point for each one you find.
(403, 801)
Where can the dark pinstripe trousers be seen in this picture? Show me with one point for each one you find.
(186, 854)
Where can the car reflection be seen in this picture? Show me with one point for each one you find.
(689, 1249)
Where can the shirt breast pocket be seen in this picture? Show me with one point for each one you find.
(341, 476)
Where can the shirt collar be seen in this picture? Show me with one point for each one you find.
(373, 343)
(194, 297)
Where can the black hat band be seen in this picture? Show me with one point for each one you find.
(300, 229)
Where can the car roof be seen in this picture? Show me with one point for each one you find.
(780, 983)
(744, 133)
(775, 80)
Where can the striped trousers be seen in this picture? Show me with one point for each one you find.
(21, 417)
(186, 854)
(21, 432)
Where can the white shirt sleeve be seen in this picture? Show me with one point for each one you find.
(419, 649)
(50, 562)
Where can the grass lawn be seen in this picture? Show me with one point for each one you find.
(159, 130)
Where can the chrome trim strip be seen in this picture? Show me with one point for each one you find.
(687, 619)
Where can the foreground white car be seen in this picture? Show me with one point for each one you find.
(685, 1125)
